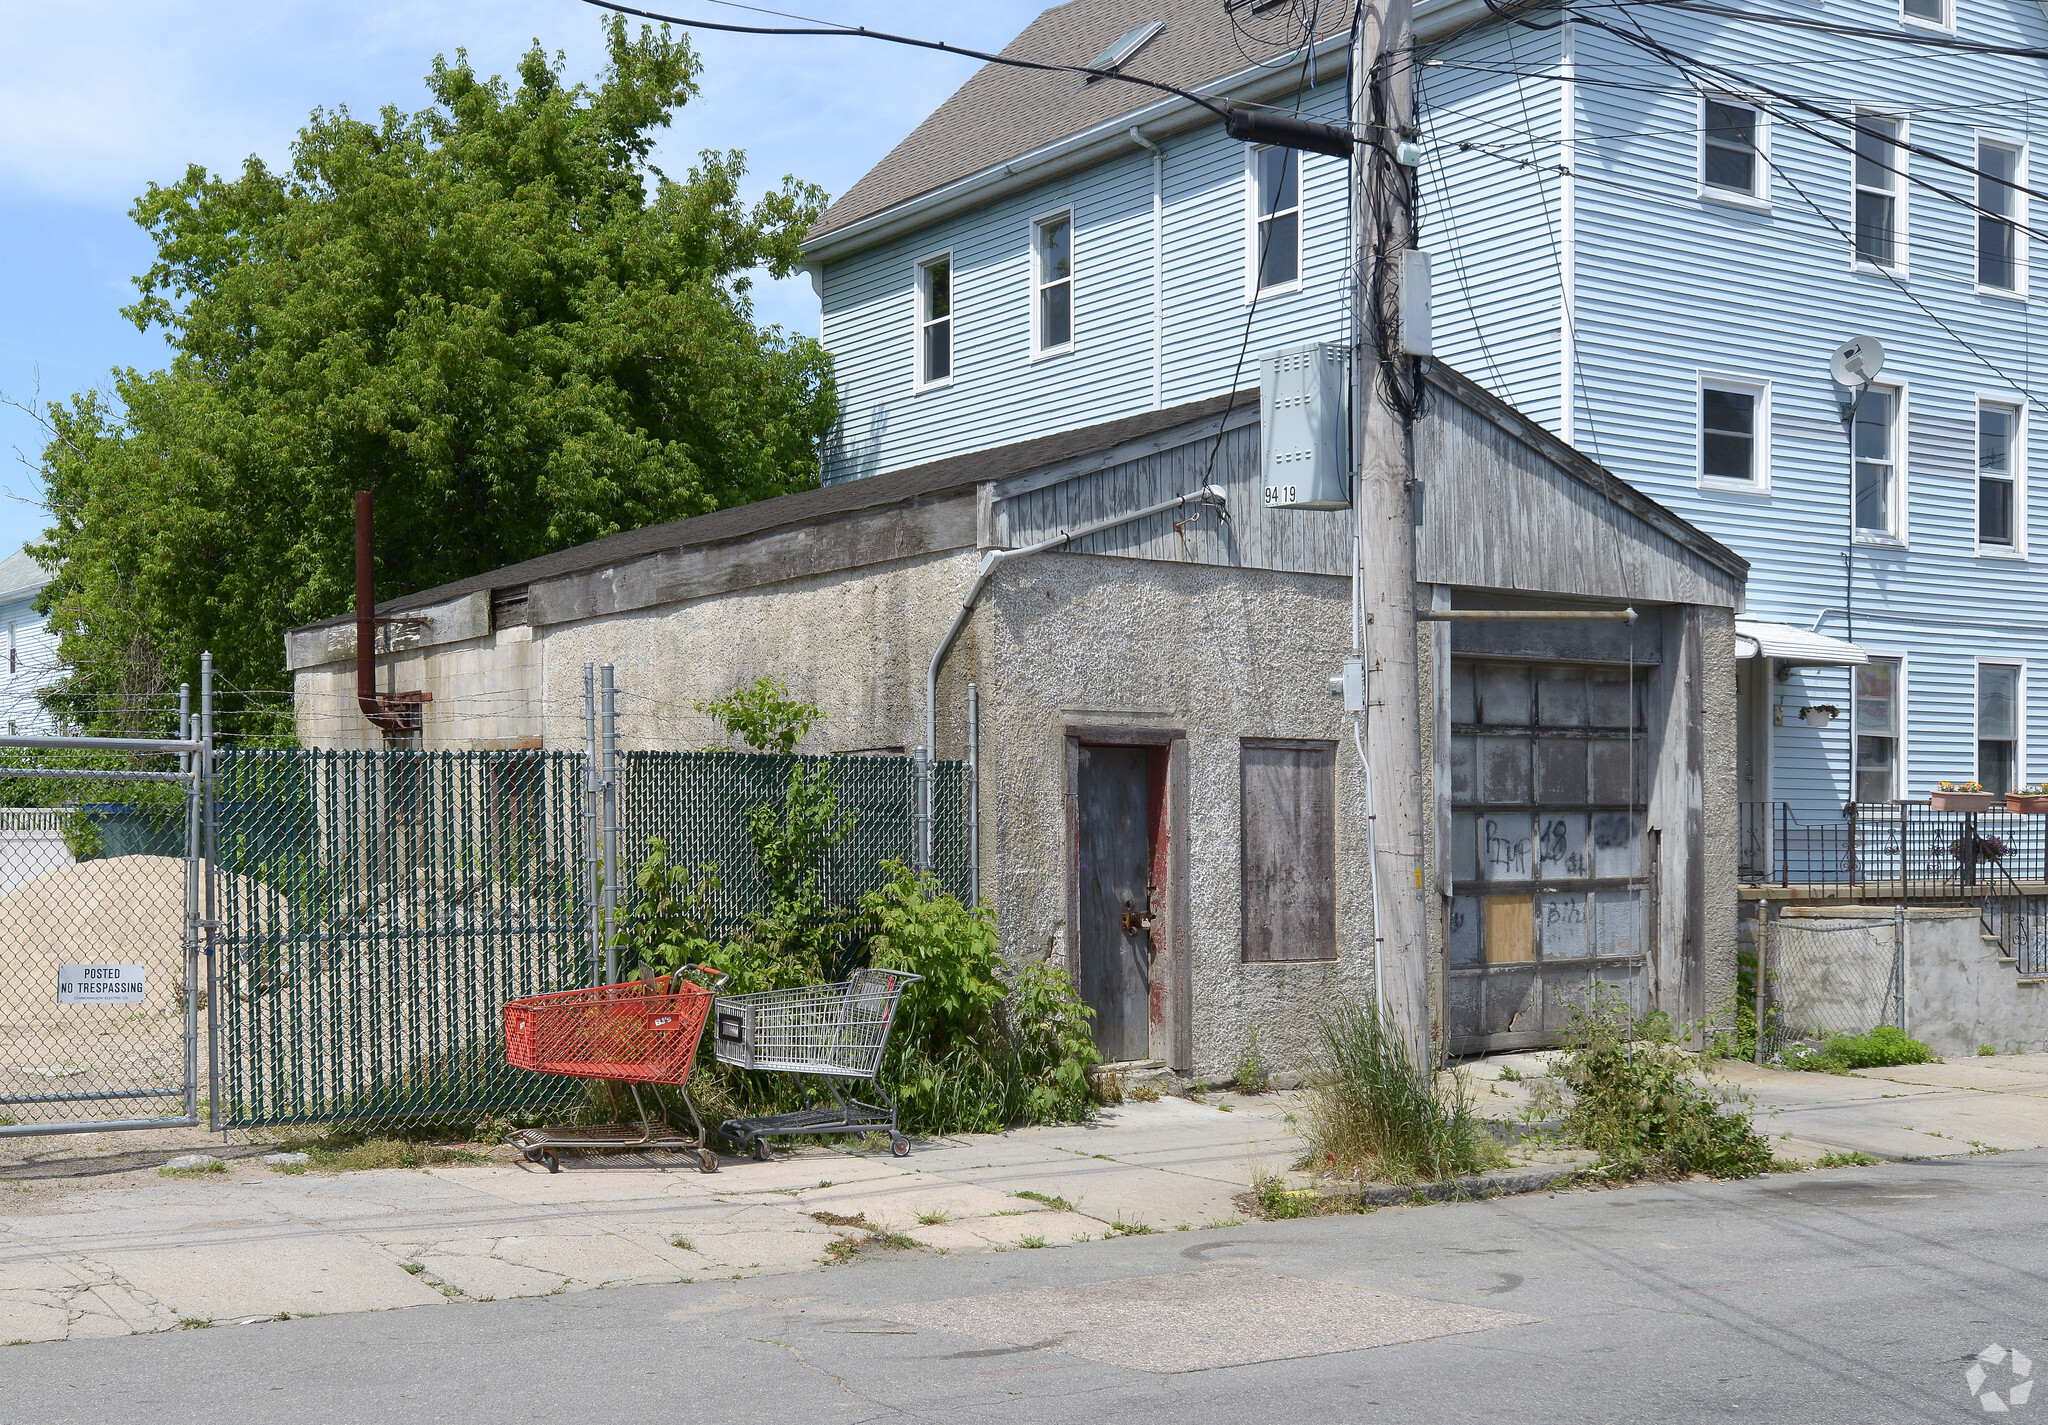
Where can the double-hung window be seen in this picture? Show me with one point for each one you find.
(1998, 448)
(1878, 718)
(1879, 184)
(1998, 726)
(1926, 12)
(1276, 226)
(1876, 487)
(935, 321)
(1999, 217)
(1052, 282)
(1735, 448)
(1731, 150)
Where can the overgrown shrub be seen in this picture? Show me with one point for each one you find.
(1636, 1102)
(1372, 1109)
(1882, 1048)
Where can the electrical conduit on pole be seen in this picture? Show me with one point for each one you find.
(994, 558)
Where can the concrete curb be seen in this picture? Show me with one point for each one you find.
(1509, 1182)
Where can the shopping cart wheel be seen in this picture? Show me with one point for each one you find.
(552, 1159)
(900, 1147)
(762, 1152)
(531, 1155)
(707, 1160)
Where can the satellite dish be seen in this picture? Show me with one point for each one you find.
(1856, 361)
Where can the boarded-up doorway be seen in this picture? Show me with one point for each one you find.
(1115, 802)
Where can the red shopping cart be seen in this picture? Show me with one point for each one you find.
(635, 1032)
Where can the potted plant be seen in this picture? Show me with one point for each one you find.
(1961, 796)
(1977, 848)
(2030, 800)
(1820, 714)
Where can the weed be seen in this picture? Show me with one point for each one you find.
(197, 1170)
(1845, 1160)
(1195, 1089)
(185, 1323)
(8, 1120)
(1373, 1111)
(1183, 1227)
(1057, 1204)
(1509, 1074)
(1882, 1048)
(890, 1239)
(1225, 1108)
(1009, 1212)
(414, 1267)
(835, 1219)
(1985, 1051)
(839, 1249)
(1106, 1088)
(1276, 1200)
(450, 1289)
(21, 1341)
(1636, 1103)
(1250, 1072)
(1031, 1241)
(1143, 1093)
(354, 1151)
(1219, 1222)
(291, 1170)
(682, 1244)
(824, 1182)
(933, 1217)
(1130, 1229)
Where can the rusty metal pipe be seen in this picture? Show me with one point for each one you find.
(367, 697)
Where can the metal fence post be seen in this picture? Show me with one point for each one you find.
(973, 796)
(1899, 960)
(921, 835)
(210, 853)
(1764, 925)
(590, 841)
(609, 780)
(188, 763)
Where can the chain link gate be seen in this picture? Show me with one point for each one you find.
(100, 955)
(1823, 976)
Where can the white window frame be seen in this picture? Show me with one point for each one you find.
(1901, 777)
(1760, 198)
(2019, 714)
(920, 320)
(2006, 401)
(1945, 26)
(1896, 538)
(1252, 291)
(1039, 350)
(1902, 219)
(2017, 144)
(1760, 482)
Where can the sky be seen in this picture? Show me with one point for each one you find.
(98, 98)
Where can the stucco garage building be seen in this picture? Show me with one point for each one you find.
(1158, 735)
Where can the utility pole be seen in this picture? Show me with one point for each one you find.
(1383, 74)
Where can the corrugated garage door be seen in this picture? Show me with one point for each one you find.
(1547, 859)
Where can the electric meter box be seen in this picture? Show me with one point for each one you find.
(1305, 428)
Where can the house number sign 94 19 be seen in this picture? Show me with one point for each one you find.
(100, 984)
(1283, 494)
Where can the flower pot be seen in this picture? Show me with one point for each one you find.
(1816, 717)
(2027, 803)
(1963, 801)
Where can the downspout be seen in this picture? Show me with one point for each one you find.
(372, 705)
(1158, 265)
(1208, 495)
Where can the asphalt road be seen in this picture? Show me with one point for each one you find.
(1847, 1295)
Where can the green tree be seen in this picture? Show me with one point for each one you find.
(493, 313)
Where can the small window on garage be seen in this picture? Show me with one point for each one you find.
(1289, 831)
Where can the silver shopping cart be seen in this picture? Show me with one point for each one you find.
(832, 1031)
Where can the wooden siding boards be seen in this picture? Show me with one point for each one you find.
(1287, 807)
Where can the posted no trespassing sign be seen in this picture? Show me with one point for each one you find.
(99, 984)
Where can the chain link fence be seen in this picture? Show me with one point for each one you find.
(1827, 976)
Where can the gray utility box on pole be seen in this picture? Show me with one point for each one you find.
(1304, 431)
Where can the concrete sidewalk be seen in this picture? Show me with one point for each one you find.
(95, 1242)
(1912, 1112)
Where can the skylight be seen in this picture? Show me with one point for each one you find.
(1130, 44)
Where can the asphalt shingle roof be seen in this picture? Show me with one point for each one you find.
(1003, 112)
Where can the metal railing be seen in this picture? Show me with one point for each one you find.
(1904, 849)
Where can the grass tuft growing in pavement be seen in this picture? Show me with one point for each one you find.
(346, 1152)
(1057, 1204)
(197, 1170)
(1882, 1048)
(1373, 1111)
